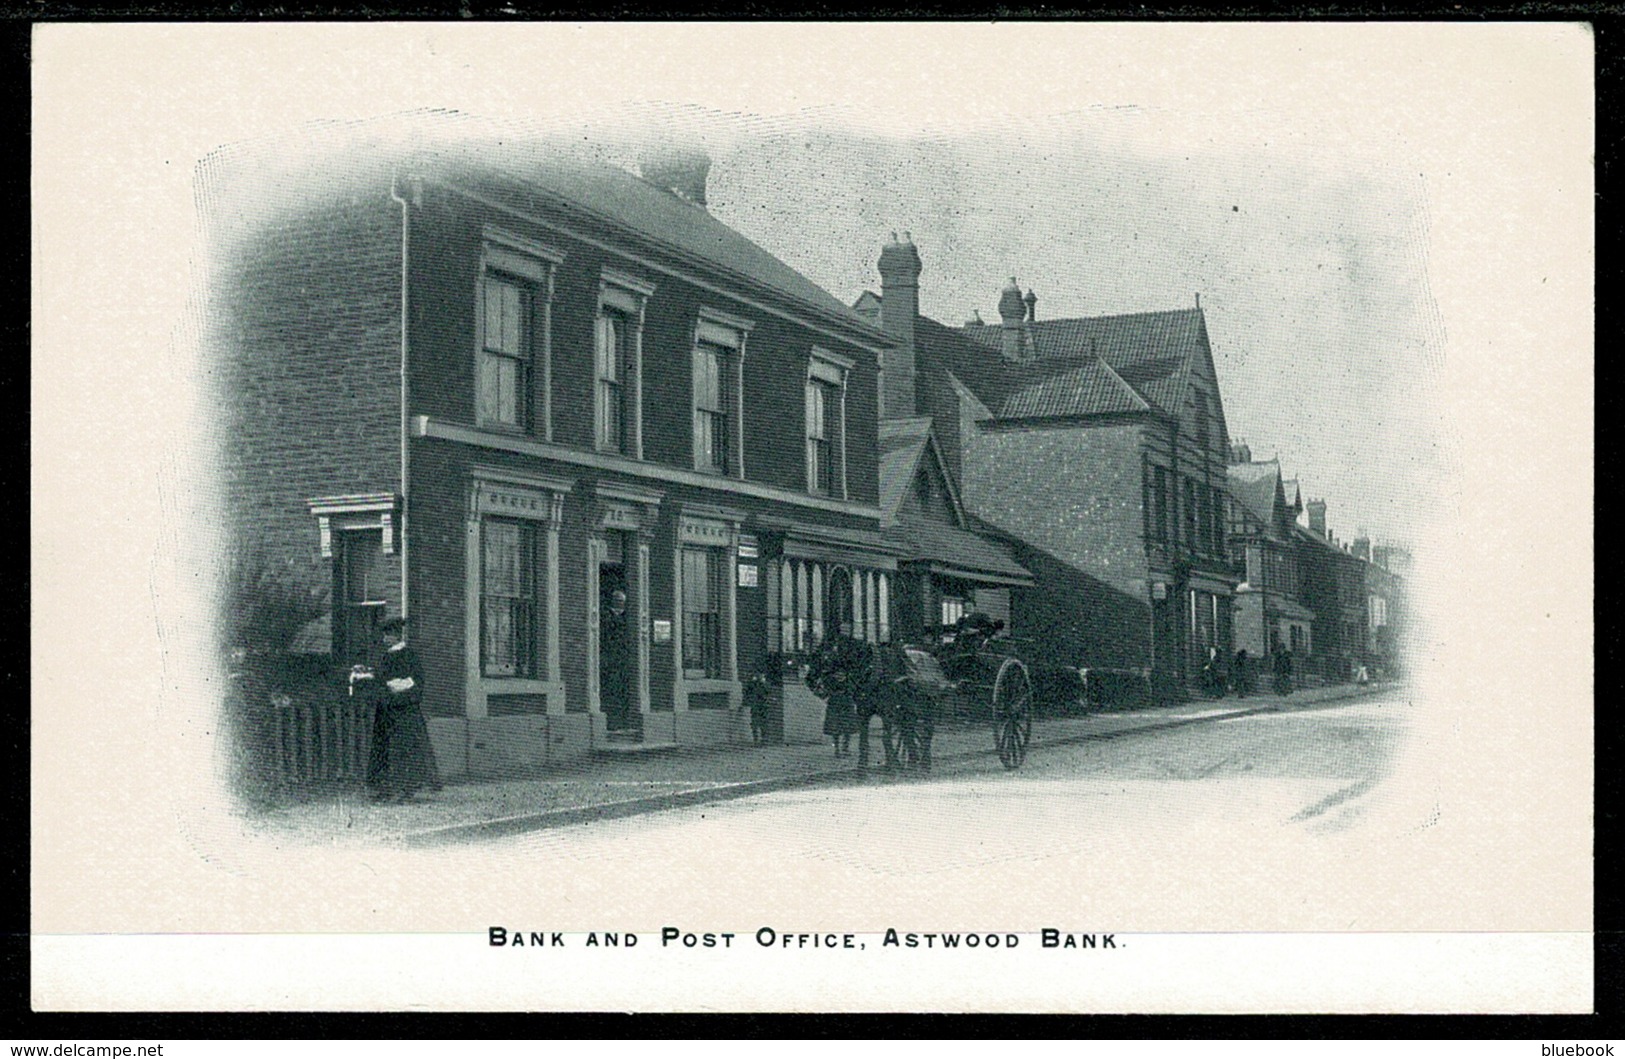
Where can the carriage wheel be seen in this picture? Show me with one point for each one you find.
(1012, 713)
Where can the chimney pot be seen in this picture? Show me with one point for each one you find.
(1031, 301)
(680, 170)
(1012, 310)
(900, 269)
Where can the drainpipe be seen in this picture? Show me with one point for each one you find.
(406, 245)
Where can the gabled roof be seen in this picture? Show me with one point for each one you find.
(905, 444)
(1254, 486)
(609, 193)
(984, 372)
(1293, 493)
(1153, 352)
(902, 443)
(1073, 386)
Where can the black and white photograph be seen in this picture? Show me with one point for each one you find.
(1015, 517)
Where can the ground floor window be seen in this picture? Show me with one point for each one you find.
(813, 598)
(510, 632)
(703, 590)
(954, 608)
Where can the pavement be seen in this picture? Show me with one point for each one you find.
(605, 787)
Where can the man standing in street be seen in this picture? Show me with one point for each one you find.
(402, 760)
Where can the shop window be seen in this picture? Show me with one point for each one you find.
(510, 635)
(703, 617)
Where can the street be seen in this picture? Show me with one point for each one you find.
(1235, 815)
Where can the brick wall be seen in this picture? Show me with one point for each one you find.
(303, 349)
(1072, 497)
(446, 241)
(1073, 492)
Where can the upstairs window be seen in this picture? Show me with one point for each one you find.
(513, 321)
(1193, 518)
(718, 377)
(820, 461)
(505, 375)
(826, 423)
(618, 365)
(712, 404)
(614, 368)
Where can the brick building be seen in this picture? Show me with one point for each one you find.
(1268, 613)
(1099, 447)
(1333, 586)
(607, 454)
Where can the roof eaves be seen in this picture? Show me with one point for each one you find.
(849, 320)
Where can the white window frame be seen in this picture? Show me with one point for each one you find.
(833, 370)
(718, 328)
(506, 253)
(630, 296)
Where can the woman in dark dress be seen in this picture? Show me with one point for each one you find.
(402, 760)
(836, 673)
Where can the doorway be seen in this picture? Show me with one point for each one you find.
(615, 663)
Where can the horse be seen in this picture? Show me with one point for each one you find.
(877, 678)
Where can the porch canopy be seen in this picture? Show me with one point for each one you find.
(953, 552)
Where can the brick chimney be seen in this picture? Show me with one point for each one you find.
(1013, 311)
(1317, 518)
(899, 308)
(1362, 547)
(1240, 452)
(679, 170)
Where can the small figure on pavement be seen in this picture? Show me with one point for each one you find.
(839, 672)
(1213, 679)
(1241, 677)
(758, 694)
(402, 760)
(1283, 671)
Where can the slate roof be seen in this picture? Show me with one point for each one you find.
(953, 550)
(1078, 386)
(1152, 352)
(1310, 535)
(612, 194)
(1253, 485)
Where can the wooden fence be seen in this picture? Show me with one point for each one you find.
(321, 740)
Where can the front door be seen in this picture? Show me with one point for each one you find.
(614, 650)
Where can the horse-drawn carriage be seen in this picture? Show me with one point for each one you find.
(969, 666)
